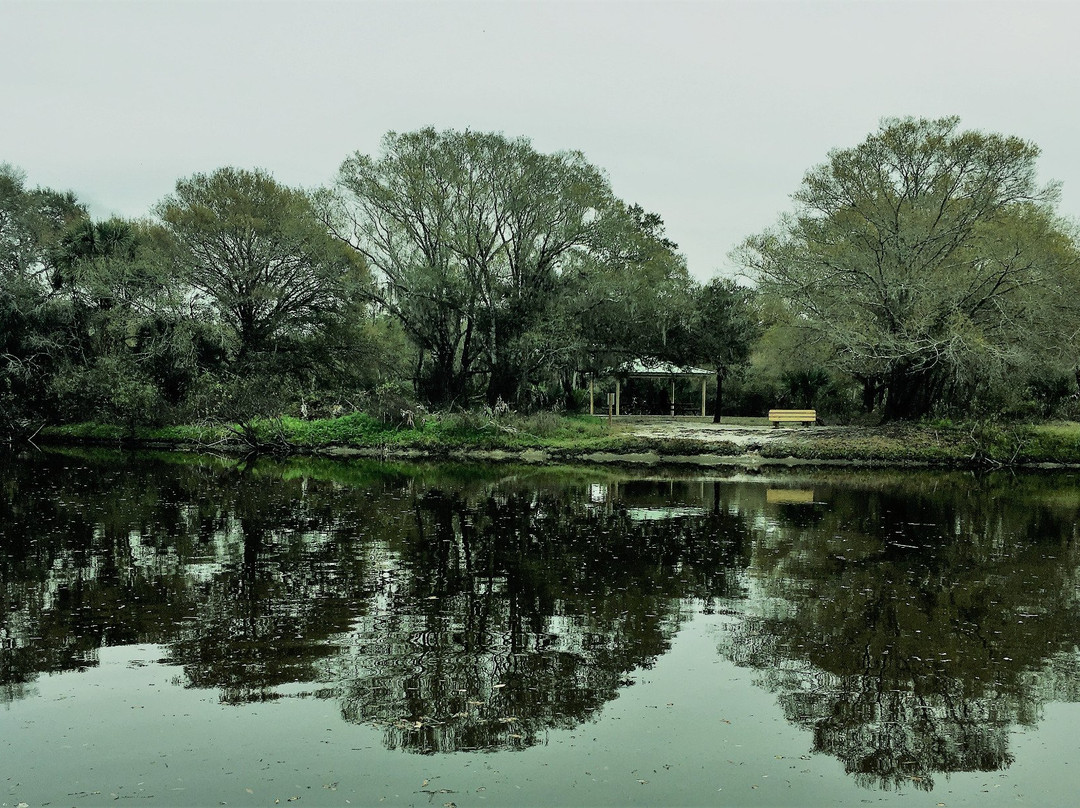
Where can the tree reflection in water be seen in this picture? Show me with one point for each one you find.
(468, 612)
(911, 629)
(907, 621)
(522, 611)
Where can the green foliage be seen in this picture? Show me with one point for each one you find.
(392, 404)
(932, 261)
(252, 405)
(923, 272)
(629, 296)
(1039, 391)
(258, 257)
(505, 267)
(35, 328)
(114, 389)
(792, 367)
(469, 232)
(32, 221)
(726, 322)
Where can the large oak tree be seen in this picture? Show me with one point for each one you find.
(930, 257)
(257, 256)
(472, 235)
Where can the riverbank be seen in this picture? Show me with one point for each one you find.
(547, 438)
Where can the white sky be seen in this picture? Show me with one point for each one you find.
(708, 113)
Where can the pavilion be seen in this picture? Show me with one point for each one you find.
(652, 369)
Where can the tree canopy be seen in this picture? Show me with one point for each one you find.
(723, 330)
(929, 257)
(33, 331)
(479, 241)
(256, 254)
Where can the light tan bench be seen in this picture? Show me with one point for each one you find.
(808, 417)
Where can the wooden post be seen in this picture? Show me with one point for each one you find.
(703, 397)
(618, 397)
(672, 396)
(592, 408)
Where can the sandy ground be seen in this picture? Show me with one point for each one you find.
(740, 435)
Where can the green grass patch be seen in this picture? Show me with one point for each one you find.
(986, 444)
(1058, 443)
(975, 444)
(561, 435)
(893, 445)
(111, 433)
(464, 430)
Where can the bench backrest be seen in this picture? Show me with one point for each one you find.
(792, 415)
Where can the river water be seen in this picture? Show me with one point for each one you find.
(183, 630)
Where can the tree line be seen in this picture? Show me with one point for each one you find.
(921, 272)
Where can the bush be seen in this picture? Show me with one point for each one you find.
(393, 405)
(112, 389)
(1049, 391)
(543, 424)
(465, 422)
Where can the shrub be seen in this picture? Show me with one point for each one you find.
(394, 405)
(543, 424)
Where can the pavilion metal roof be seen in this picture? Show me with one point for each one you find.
(654, 368)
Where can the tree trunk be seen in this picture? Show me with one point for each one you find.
(869, 393)
(443, 383)
(721, 372)
(504, 382)
(911, 393)
(566, 381)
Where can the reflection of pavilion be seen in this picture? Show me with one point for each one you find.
(654, 369)
(654, 499)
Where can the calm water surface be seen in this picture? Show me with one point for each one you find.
(194, 631)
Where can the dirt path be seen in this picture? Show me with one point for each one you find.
(740, 435)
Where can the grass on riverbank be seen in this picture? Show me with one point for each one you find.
(975, 444)
(568, 437)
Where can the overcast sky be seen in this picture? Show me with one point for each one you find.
(708, 113)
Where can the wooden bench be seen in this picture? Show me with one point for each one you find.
(808, 417)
